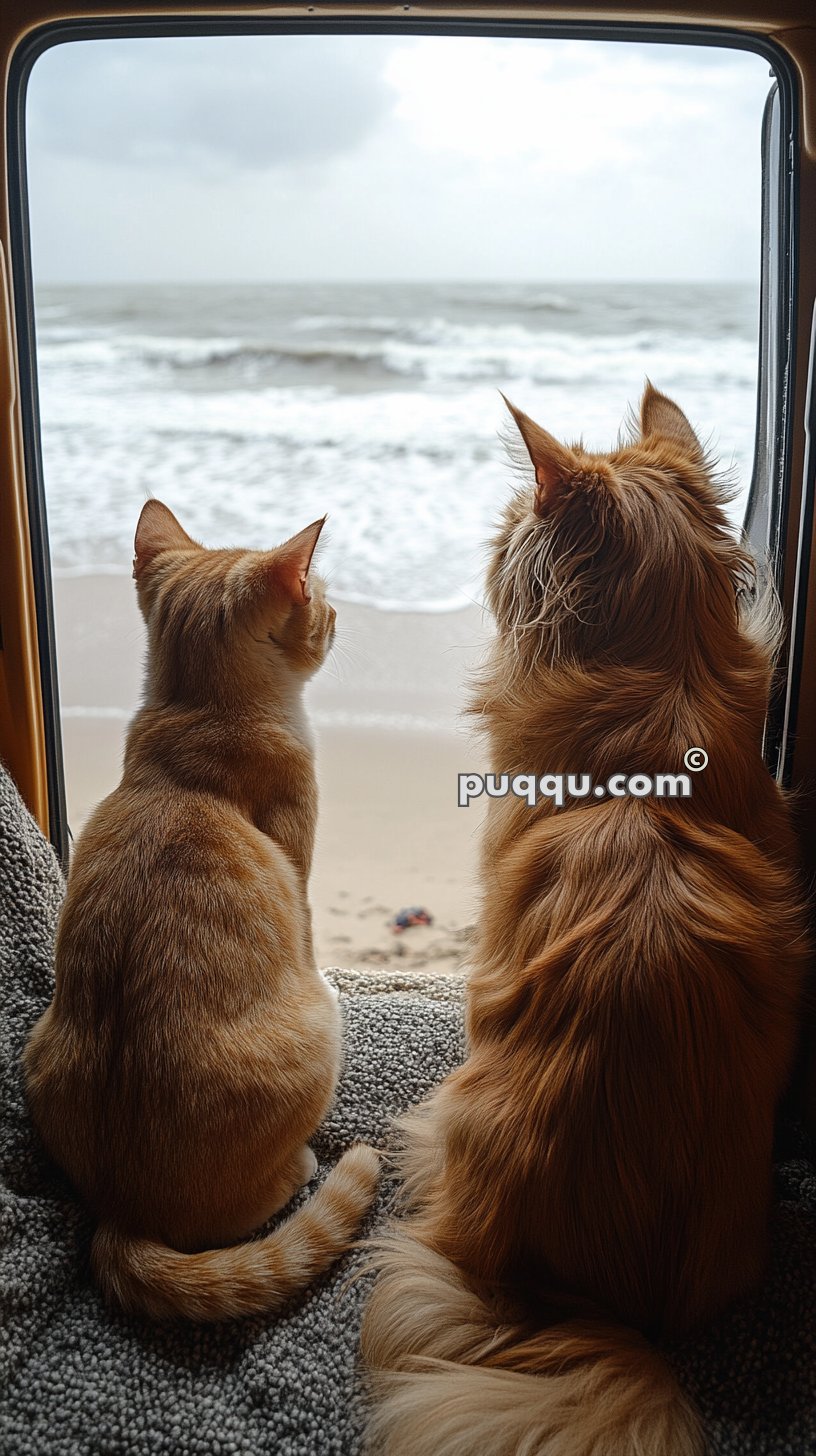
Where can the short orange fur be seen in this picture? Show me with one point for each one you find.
(598, 1173)
(192, 1047)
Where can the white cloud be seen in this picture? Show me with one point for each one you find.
(563, 107)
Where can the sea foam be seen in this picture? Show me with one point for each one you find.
(251, 416)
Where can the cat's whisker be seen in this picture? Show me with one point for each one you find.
(343, 656)
(353, 652)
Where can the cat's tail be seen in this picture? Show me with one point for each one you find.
(448, 1378)
(249, 1278)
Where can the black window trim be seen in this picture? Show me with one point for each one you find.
(779, 726)
(789, 689)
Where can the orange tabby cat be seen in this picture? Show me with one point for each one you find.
(192, 1046)
(598, 1173)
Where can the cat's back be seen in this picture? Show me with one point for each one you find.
(645, 978)
(644, 899)
(168, 915)
(165, 939)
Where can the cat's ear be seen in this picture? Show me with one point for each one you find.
(554, 464)
(157, 531)
(291, 561)
(659, 415)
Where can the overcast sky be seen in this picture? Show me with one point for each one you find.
(347, 157)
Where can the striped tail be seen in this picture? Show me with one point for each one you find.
(249, 1278)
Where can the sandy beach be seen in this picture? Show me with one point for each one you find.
(387, 712)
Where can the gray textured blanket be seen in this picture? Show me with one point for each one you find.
(78, 1380)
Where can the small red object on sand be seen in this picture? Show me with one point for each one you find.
(406, 918)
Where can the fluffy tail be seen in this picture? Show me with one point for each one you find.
(248, 1278)
(449, 1379)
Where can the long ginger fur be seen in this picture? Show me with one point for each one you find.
(596, 1177)
(192, 1047)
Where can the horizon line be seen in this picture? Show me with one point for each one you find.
(377, 282)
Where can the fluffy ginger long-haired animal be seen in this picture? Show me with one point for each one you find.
(192, 1047)
(597, 1175)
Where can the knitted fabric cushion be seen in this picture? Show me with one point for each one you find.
(77, 1379)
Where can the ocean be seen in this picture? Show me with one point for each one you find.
(252, 409)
